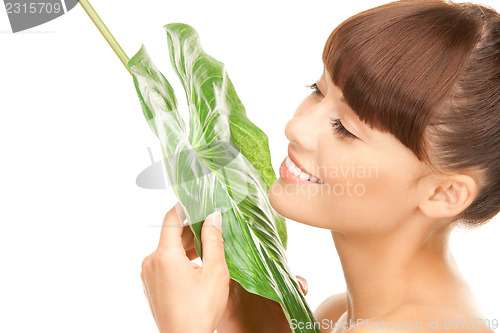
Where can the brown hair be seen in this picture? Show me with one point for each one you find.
(428, 72)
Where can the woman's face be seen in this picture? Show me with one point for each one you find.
(369, 179)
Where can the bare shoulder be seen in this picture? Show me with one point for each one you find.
(331, 308)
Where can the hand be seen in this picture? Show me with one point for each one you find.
(245, 312)
(183, 296)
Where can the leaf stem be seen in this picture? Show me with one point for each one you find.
(105, 32)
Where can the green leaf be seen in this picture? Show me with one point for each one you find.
(223, 164)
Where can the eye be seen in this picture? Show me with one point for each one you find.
(340, 130)
(315, 89)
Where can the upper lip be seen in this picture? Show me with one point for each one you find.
(298, 165)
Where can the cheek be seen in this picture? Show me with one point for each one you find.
(368, 196)
(351, 204)
(362, 192)
(366, 173)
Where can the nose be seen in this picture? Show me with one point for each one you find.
(305, 126)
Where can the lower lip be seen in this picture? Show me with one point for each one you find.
(289, 177)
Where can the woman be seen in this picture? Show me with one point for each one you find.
(397, 145)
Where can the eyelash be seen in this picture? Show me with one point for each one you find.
(340, 130)
(338, 127)
(315, 88)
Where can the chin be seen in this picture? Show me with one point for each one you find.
(288, 205)
(275, 199)
(283, 203)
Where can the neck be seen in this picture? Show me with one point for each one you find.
(386, 269)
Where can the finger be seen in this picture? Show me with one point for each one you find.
(146, 293)
(180, 211)
(188, 243)
(145, 287)
(146, 262)
(187, 238)
(303, 284)
(171, 231)
(192, 254)
(212, 243)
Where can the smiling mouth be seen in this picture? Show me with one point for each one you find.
(301, 174)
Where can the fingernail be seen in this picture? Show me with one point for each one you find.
(301, 284)
(180, 213)
(216, 220)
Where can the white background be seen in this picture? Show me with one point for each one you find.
(74, 226)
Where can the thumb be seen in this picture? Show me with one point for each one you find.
(302, 284)
(212, 242)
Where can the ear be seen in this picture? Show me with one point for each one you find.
(449, 196)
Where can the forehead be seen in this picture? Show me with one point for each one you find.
(332, 88)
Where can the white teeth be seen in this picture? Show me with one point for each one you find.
(303, 176)
(297, 172)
